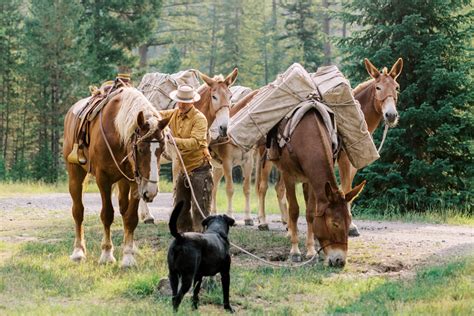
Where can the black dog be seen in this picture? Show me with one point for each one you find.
(192, 256)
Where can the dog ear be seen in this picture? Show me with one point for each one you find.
(206, 221)
(229, 220)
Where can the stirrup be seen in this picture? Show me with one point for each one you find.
(76, 156)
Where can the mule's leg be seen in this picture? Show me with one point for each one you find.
(130, 221)
(107, 217)
(247, 167)
(295, 252)
(310, 199)
(262, 187)
(217, 174)
(229, 185)
(76, 179)
(347, 173)
(281, 192)
(144, 212)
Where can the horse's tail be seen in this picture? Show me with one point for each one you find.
(174, 219)
(85, 182)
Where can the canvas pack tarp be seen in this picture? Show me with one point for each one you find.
(269, 106)
(238, 92)
(157, 86)
(335, 91)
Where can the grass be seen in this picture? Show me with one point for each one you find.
(37, 277)
(437, 216)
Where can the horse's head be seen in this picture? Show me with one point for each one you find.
(331, 224)
(386, 90)
(219, 102)
(147, 145)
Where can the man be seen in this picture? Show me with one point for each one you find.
(189, 129)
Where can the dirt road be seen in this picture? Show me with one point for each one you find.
(393, 248)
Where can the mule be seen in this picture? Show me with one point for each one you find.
(228, 155)
(126, 142)
(215, 105)
(378, 98)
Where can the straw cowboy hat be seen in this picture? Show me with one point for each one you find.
(185, 94)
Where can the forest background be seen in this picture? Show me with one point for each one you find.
(52, 50)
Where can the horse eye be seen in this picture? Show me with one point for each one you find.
(214, 97)
(378, 88)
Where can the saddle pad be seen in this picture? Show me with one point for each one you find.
(269, 106)
(80, 105)
(157, 86)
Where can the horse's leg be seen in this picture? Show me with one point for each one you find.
(217, 174)
(76, 179)
(145, 213)
(229, 184)
(295, 252)
(310, 199)
(262, 186)
(247, 172)
(130, 221)
(347, 173)
(281, 191)
(107, 217)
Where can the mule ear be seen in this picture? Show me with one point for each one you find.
(229, 220)
(141, 120)
(208, 80)
(162, 123)
(354, 193)
(231, 77)
(329, 192)
(371, 69)
(396, 69)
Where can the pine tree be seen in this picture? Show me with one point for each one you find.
(428, 159)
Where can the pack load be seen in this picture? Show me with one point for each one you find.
(269, 106)
(157, 86)
(335, 91)
(238, 92)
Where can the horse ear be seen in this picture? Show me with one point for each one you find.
(371, 69)
(163, 123)
(396, 69)
(354, 193)
(141, 120)
(329, 192)
(231, 77)
(208, 80)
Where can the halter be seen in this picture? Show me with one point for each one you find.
(327, 230)
(136, 139)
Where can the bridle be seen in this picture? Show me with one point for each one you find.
(136, 139)
(327, 231)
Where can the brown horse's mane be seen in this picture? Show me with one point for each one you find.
(243, 102)
(362, 86)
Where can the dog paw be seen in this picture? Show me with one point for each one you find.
(229, 308)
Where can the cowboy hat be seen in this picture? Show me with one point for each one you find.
(185, 94)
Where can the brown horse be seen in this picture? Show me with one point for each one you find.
(215, 105)
(126, 142)
(378, 98)
(327, 208)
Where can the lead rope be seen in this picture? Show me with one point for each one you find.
(168, 134)
(385, 130)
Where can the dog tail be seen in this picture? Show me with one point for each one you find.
(174, 219)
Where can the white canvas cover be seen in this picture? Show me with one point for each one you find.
(335, 91)
(269, 106)
(157, 86)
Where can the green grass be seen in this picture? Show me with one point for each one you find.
(37, 277)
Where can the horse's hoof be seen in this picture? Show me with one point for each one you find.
(78, 255)
(107, 257)
(353, 231)
(128, 261)
(296, 257)
(263, 227)
(149, 220)
(248, 222)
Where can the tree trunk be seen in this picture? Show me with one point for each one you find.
(143, 52)
(326, 30)
(212, 59)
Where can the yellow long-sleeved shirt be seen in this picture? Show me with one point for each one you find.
(190, 132)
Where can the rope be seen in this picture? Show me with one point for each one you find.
(231, 243)
(385, 130)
